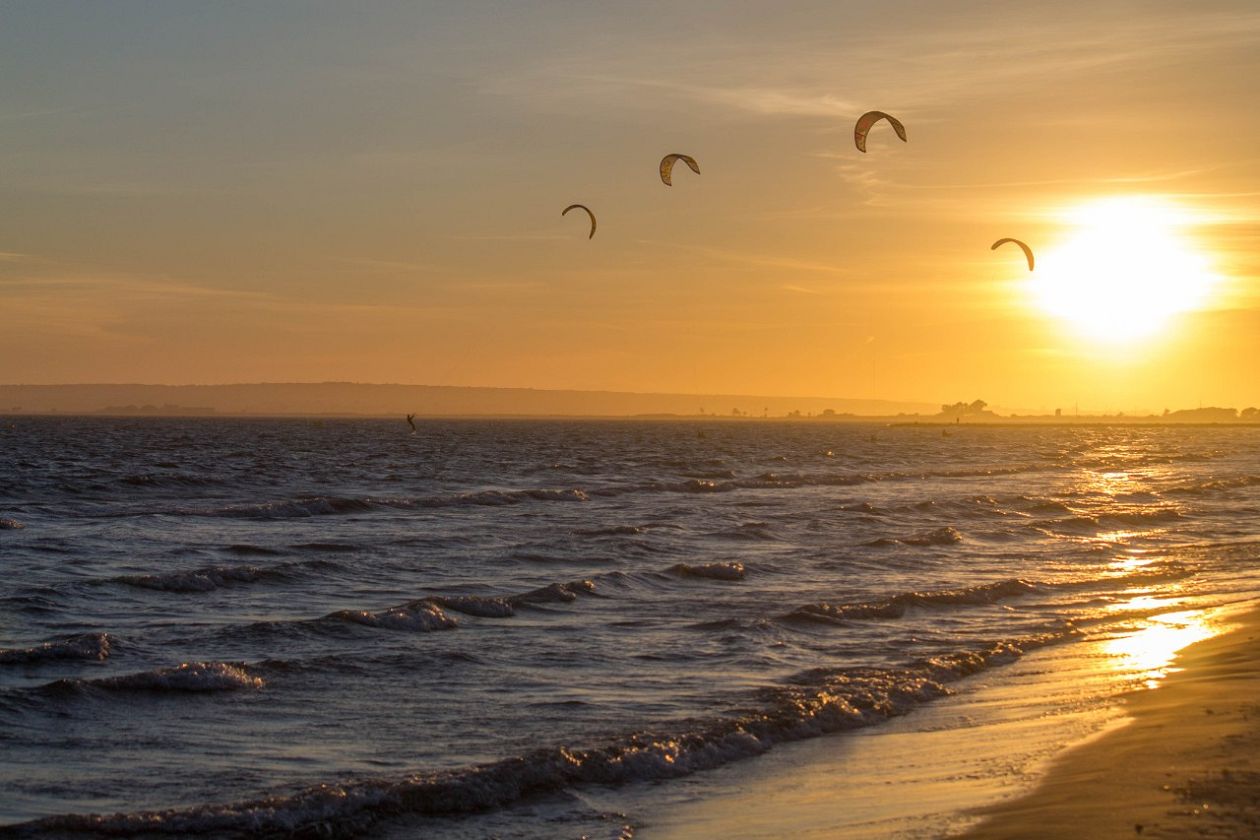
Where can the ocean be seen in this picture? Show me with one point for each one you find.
(512, 628)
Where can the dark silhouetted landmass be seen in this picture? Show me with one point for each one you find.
(159, 410)
(347, 398)
(1202, 415)
(326, 399)
(974, 410)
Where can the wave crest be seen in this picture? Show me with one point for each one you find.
(730, 570)
(896, 606)
(475, 605)
(198, 580)
(946, 535)
(562, 593)
(817, 703)
(87, 646)
(188, 677)
(424, 616)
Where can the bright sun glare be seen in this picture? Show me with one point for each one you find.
(1125, 269)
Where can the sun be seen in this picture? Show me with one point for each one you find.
(1127, 267)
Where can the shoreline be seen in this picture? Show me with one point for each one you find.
(976, 764)
(1185, 761)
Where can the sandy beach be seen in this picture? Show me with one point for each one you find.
(1186, 764)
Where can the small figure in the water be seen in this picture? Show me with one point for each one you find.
(411, 421)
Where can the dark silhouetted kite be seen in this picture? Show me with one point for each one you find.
(588, 212)
(869, 119)
(1027, 251)
(667, 166)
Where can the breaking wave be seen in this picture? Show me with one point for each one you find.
(896, 606)
(200, 580)
(87, 646)
(562, 593)
(475, 605)
(1213, 485)
(423, 616)
(189, 677)
(815, 703)
(715, 571)
(947, 535)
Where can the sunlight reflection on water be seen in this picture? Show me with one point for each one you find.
(1148, 652)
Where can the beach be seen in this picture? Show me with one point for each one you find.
(1185, 763)
(1020, 756)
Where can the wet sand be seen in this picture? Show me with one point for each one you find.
(1187, 764)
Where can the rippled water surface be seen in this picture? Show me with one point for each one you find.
(235, 626)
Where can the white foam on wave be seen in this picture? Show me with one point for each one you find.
(896, 606)
(197, 580)
(945, 535)
(730, 570)
(484, 607)
(194, 677)
(556, 593)
(88, 646)
(428, 614)
(424, 616)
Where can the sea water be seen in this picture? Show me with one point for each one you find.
(260, 626)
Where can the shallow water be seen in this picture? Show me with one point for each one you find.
(251, 625)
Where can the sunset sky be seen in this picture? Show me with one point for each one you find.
(295, 191)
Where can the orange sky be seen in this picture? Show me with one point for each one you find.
(304, 192)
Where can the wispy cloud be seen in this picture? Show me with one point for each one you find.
(108, 286)
(511, 237)
(772, 101)
(750, 259)
(37, 113)
(825, 76)
(388, 265)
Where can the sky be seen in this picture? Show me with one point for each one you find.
(315, 191)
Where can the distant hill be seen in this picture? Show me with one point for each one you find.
(348, 398)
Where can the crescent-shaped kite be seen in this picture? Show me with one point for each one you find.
(1027, 251)
(869, 119)
(588, 212)
(667, 166)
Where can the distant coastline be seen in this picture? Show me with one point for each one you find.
(345, 399)
(329, 399)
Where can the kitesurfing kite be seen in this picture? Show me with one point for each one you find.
(667, 166)
(869, 119)
(1027, 251)
(588, 212)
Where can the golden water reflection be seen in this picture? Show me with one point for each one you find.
(1149, 651)
(1147, 602)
